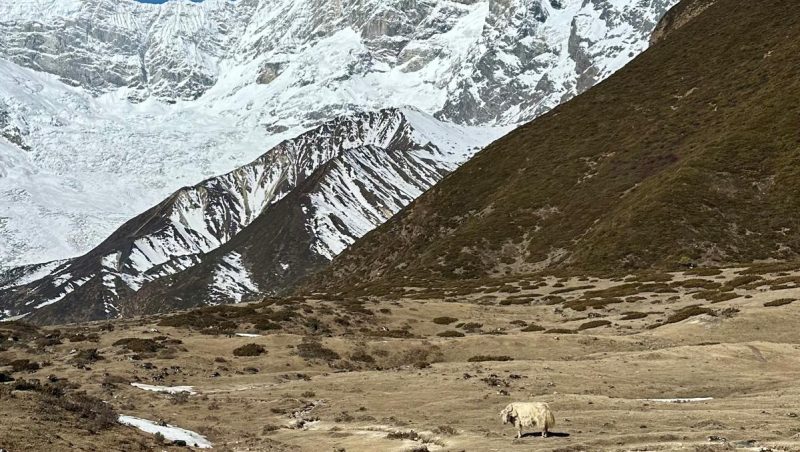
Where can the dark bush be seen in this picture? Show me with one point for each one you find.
(445, 430)
(471, 327)
(593, 324)
(311, 349)
(249, 350)
(444, 320)
(138, 345)
(266, 326)
(515, 301)
(533, 327)
(451, 333)
(86, 357)
(779, 302)
(482, 358)
(634, 316)
(24, 365)
(685, 313)
(362, 356)
(409, 435)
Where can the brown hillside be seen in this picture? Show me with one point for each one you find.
(689, 155)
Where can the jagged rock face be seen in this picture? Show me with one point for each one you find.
(105, 44)
(339, 181)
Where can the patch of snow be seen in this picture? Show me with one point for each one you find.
(232, 278)
(13, 318)
(166, 389)
(170, 432)
(247, 335)
(681, 400)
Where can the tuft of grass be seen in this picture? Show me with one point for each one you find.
(444, 320)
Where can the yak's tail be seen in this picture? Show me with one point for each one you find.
(549, 419)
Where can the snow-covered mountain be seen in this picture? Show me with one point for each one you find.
(108, 106)
(346, 177)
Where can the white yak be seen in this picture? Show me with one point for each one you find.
(528, 414)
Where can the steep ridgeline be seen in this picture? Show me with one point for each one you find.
(687, 156)
(148, 98)
(338, 181)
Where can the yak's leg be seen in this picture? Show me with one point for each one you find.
(519, 433)
(544, 432)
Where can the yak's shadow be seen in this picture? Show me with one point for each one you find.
(549, 434)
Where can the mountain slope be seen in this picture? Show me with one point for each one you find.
(388, 157)
(686, 156)
(109, 106)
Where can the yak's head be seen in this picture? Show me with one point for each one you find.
(507, 415)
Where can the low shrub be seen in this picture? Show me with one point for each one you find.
(451, 333)
(697, 283)
(312, 349)
(87, 356)
(779, 302)
(515, 301)
(581, 304)
(362, 356)
(685, 313)
(249, 350)
(634, 316)
(445, 430)
(533, 327)
(715, 296)
(482, 358)
(704, 271)
(24, 365)
(139, 345)
(593, 324)
(471, 327)
(444, 320)
(571, 289)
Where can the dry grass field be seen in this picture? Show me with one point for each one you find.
(417, 374)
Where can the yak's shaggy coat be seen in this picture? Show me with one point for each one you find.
(528, 414)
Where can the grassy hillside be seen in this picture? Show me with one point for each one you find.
(689, 155)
